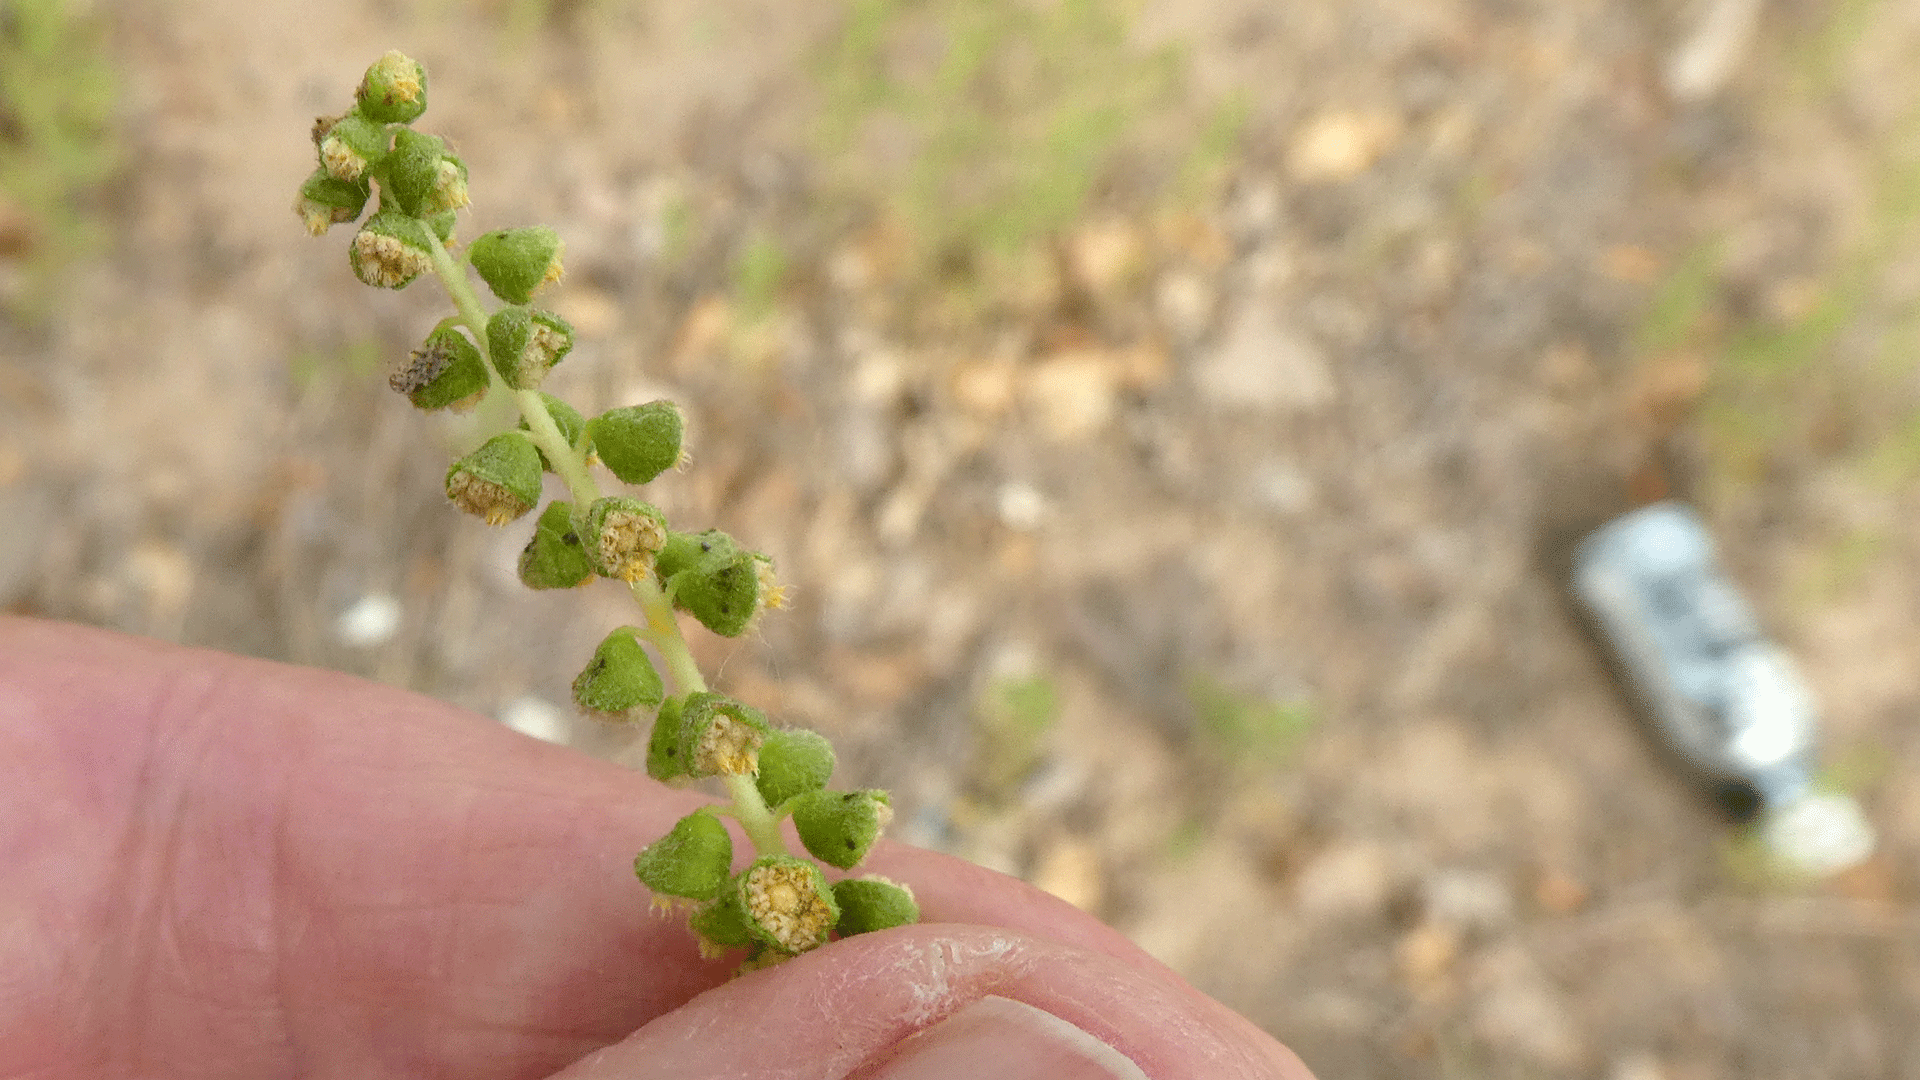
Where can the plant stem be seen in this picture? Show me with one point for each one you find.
(754, 817)
(663, 626)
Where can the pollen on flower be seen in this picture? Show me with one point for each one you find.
(628, 542)
(318, 216)
(403, 79)
(772, 593)
(728, 748)
(449, 187)
(387, 261)
(555, 270)
(784, 901)
(342, 161)
(485, 499)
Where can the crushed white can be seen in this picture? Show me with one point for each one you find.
(1726, 699)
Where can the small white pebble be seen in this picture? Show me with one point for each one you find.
(536, 717)
(1021, 505)
(371, 620)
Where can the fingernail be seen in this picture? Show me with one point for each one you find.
(997, 1038)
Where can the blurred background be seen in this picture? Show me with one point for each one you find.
(1168, 412)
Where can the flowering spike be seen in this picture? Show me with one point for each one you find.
(394, 89)
(412, 174)
(622, 534)
(720, 736)
(787, 903)
(554, 558)
(524, 343)
(390, 250)
(516, 262)
(445, 371)
(326, 201)
(498, 482)
(792, 763)
(665, 760)
(351, 147)
(693, 860)
(639, 442)
(620, 681)
(839, 827)
(873, 903)
(714, 579)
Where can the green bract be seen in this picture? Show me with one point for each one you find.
(839, 827)
(390, 250)
(394, 89)
(554, 558)
(445, 370)
(326, 201)
(412, 175)
(622, 534)
(693, 860)
(351, 147)
(793, 763)
(639, 442)
(714, 579)
(873, 903)
(722, 923)
(524, 343)
(515, 262)
(664, 759)
(720, 736)
(787, 903)
(620, 680)
(566, 418)
(498, 482)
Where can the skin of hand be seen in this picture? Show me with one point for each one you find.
(212, 866)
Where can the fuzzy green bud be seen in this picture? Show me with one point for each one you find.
(420, 176)
(787, 903)
(390, 250)
(351, 147)
(717, 581)
(516, 262)
(721, 924)
(873, 903)
(326, 201)
(554, 558)
(665, 761)
(793, 762)
(839, 827)
(566, 418)
(720, 736)
(394, 89)
(525, 343)
(622, 534)
(620, 680)
(498, 482)
(446, 370)
(639, 442)
(693, 860)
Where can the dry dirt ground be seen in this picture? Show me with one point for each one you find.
(1311, 438)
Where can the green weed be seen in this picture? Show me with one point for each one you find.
(991, 123)
(57, 142)
(1244, 730)
(1013, 719)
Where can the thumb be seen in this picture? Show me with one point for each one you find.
(933, 1001)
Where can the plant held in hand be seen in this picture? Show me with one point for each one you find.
(781, 903)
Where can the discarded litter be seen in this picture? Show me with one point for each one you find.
(1727, 700)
